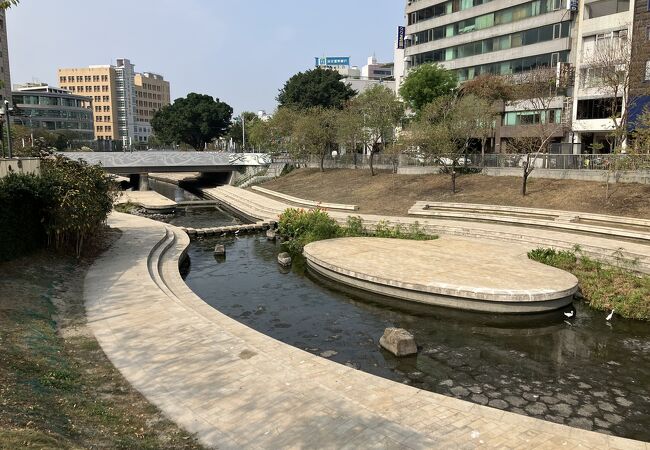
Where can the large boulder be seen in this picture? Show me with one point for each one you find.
(399, 342)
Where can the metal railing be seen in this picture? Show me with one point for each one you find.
(477, 161)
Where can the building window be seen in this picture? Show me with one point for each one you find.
(600, 8)
(599, 108)
(107, 118)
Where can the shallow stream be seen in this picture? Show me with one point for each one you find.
(584, 372)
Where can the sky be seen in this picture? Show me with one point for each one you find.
(240, 51)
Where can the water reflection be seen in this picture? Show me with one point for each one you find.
(579, 372)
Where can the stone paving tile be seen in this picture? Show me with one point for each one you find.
(196, 365)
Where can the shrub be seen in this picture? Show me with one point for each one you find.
(80, 197)
(301, 227)
(603, 286)
(63, 207)
(563, 259)
(22, 217)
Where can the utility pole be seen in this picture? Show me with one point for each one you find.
(243, 132)
(8, 119)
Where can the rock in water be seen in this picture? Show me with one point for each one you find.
(271, 235)
(220, 250)
(399, 342)
(284, 259)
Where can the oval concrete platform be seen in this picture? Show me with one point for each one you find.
(451, 272)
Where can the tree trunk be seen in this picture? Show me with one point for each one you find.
(372, 168)
(524, 185)
(483, 142)
(453, 177)
(322, 162)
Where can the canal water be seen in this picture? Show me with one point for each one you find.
(584, 372)
(192, 216)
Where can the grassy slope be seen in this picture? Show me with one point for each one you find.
(395, 194)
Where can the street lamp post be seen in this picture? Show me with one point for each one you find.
(8, 119)
(243, 132)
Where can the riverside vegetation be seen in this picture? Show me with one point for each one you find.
(63, 208)
(604, 287)
(300, 227)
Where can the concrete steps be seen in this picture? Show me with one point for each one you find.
(611, 249)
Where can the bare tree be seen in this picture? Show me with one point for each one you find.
(351, 132)
(608, 73)
(381, 113)
(444, 129)
(536, 90)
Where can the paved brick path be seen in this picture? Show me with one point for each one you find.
(237, 388)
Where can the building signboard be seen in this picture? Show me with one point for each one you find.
(401, 35)
(333, 61)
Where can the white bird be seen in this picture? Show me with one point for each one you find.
(608, 318)
(569, 314)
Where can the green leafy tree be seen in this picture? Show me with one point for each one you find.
(6, 4)
(276, 134)
(194, 120)
(315, 88)
(351, 133)
(316, 133)
(425, 83)
(381, 114)
(235, 132)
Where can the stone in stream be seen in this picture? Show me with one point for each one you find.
(271, 235)
(284, 259)
(220, 250)
(399, 342)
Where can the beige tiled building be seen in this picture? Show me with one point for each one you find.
(124, 101)
(5, 75)
(152, 93)
(97, 82)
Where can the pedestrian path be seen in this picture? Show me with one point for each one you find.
(237, 388)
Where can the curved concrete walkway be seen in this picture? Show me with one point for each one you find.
(237, 388)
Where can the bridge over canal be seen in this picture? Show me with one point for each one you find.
(125, 163)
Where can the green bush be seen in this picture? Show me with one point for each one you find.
(80, 197)
(604, 287)
(300, 227)
(563, 259)
(22, 217)
(63, 207)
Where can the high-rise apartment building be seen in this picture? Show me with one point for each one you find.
(98, 82)
(126, 98)
(501, 37)
(152, 93)
(124, 101)
(5, 74)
